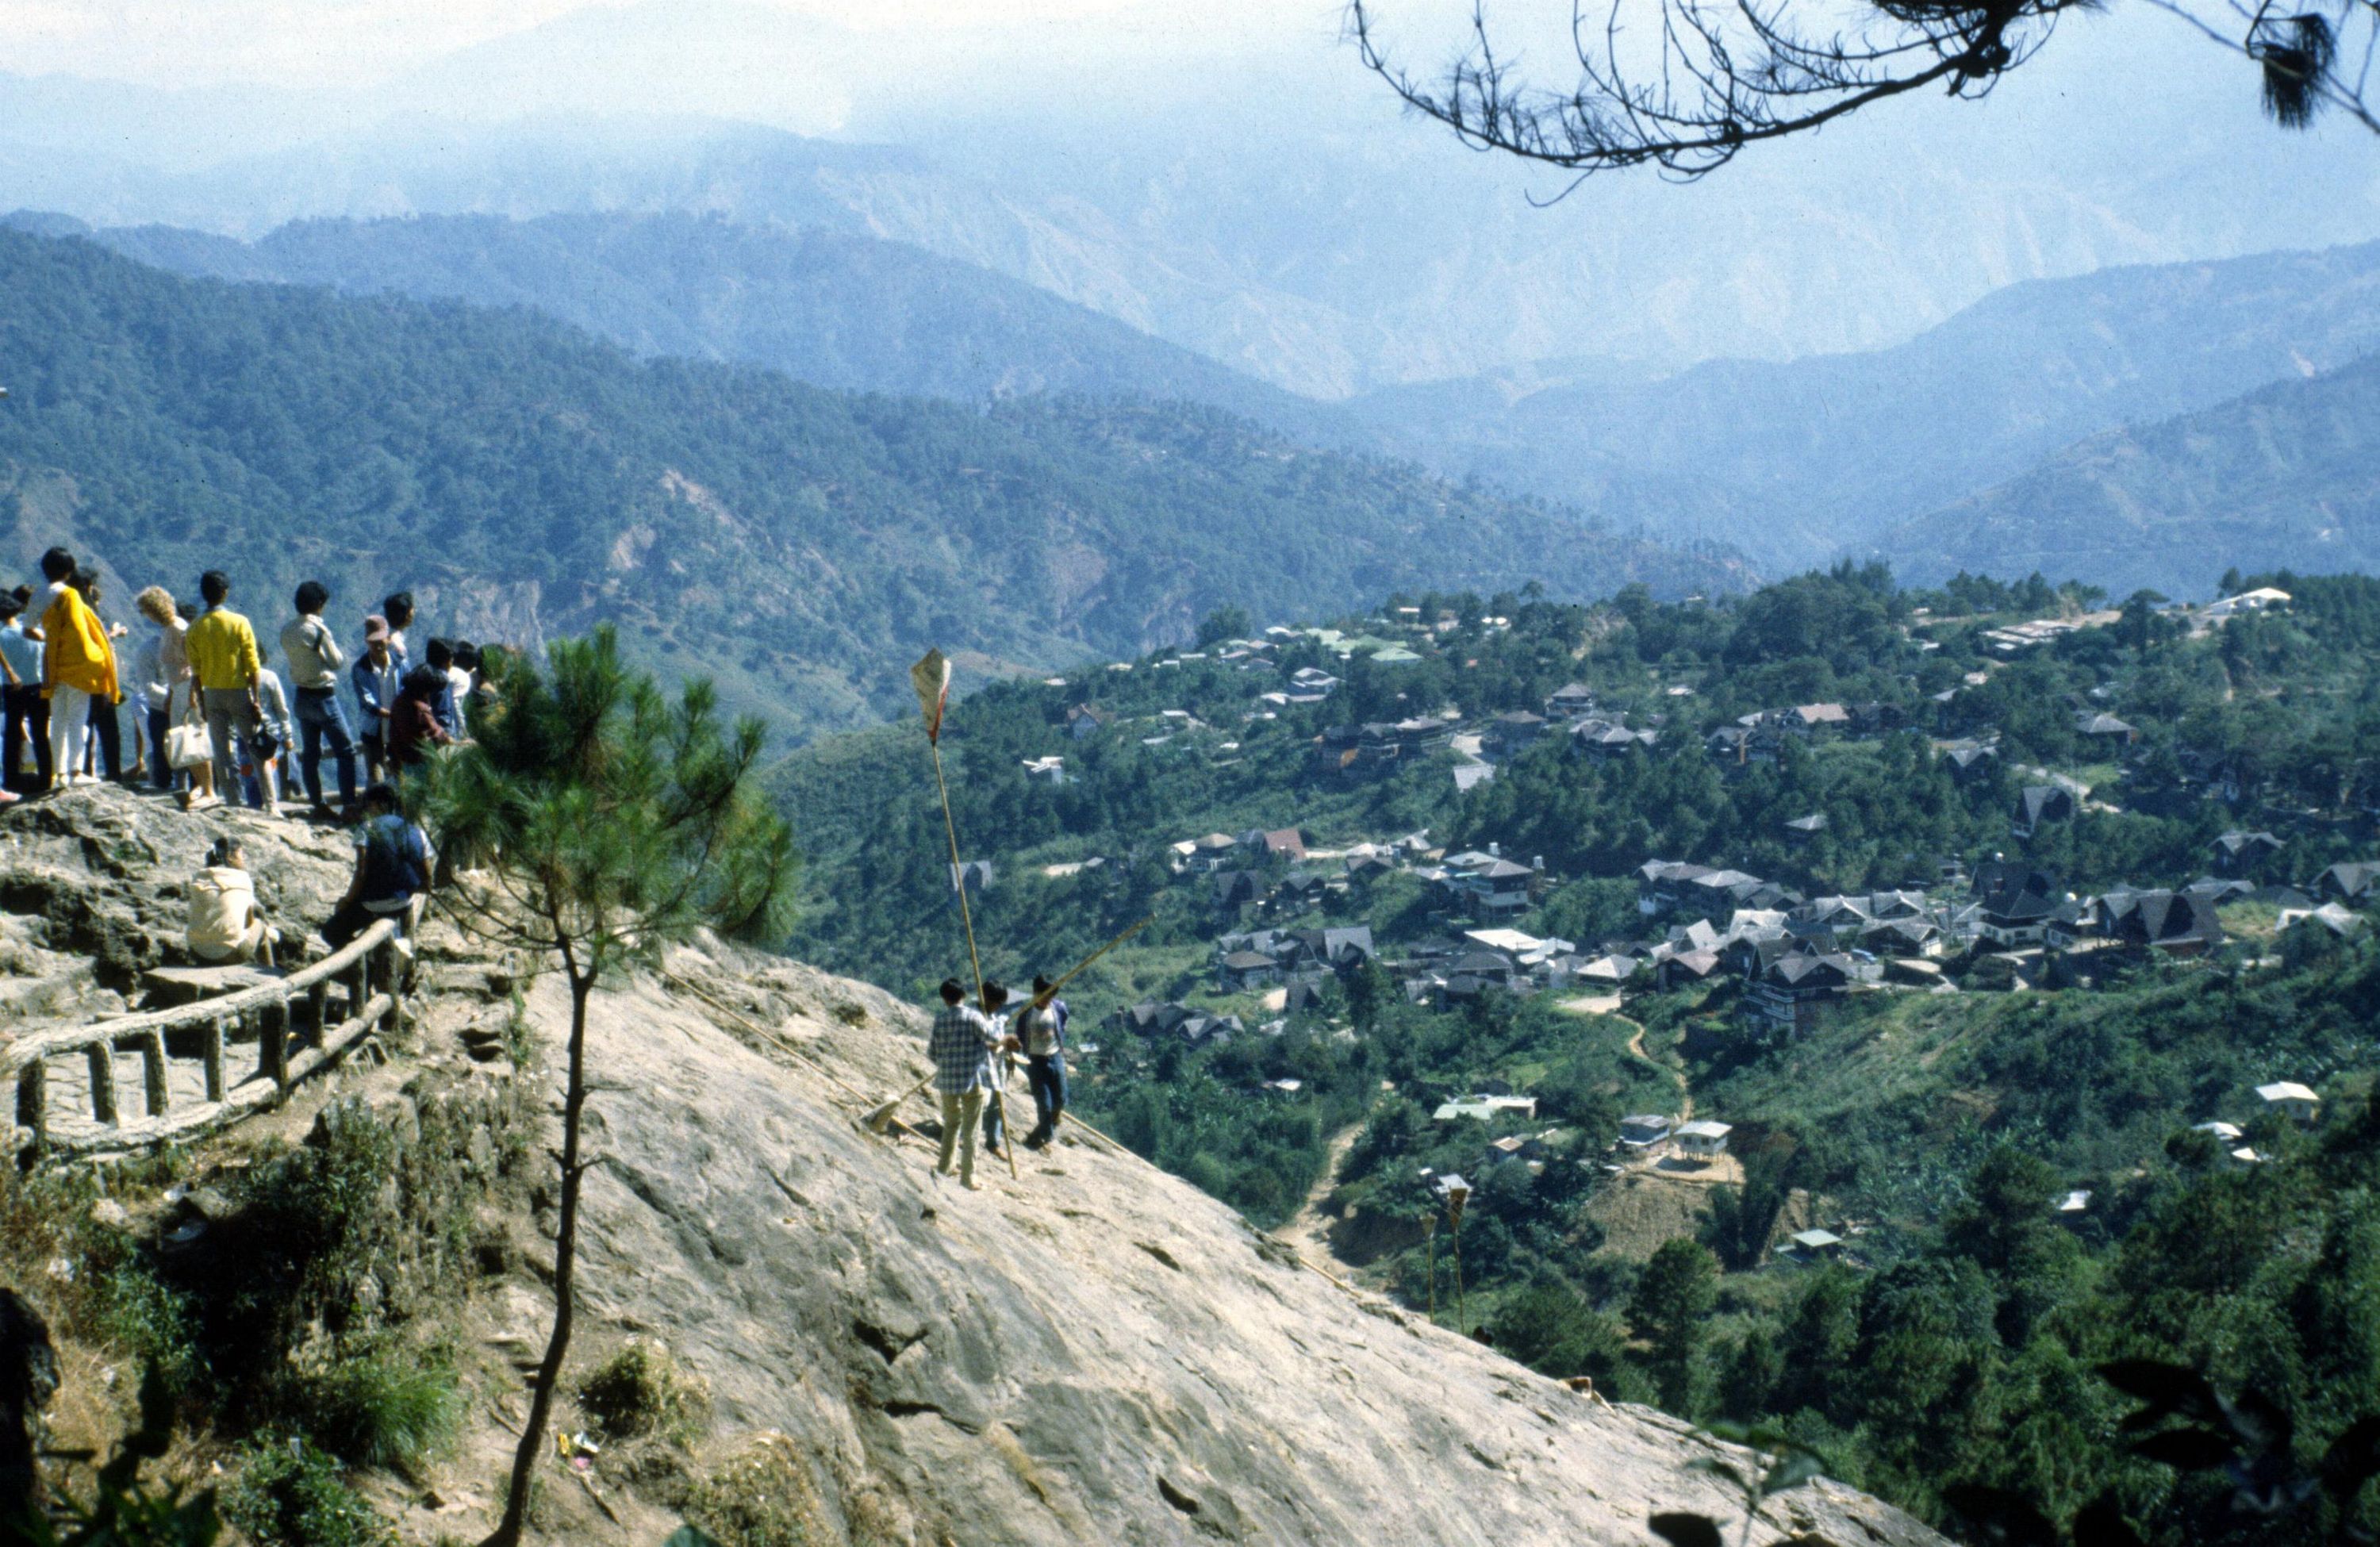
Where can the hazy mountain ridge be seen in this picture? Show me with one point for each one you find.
(797, 543)
(1819, 453)
(850, 312)
(2288, 477)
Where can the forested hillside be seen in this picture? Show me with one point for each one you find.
(833, 309)
(2290, 475)
(800, 544)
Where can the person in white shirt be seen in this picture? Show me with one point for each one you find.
(462, 676)
(315, 660)
(397, 611)
(226, 924)
(159, 667)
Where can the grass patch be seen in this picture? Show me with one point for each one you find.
(391, 1406)
(763, 1496)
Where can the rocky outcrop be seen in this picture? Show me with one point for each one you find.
(1092, 1351)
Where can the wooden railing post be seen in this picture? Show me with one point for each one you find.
(152, 1073)
(211, 1048)
(272, 1041)
(319, 997)
(393, 972)
(33, 1102)
(102, 1055)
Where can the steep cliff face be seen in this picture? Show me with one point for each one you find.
(1090, 1352)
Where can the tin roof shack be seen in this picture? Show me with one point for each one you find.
(1643, 1137)
(2291, 1100)
(1702, 1140)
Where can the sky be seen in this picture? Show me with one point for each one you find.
(306, 44)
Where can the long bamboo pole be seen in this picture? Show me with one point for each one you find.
(958, 877)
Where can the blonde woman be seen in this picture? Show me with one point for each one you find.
(169, 693)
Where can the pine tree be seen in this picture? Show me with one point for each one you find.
(607, 822)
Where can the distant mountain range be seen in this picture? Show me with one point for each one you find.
(1801, 458)
(1270, 211)
(797, 543)
(1790, 463)
(835, 309)
(2285, 478)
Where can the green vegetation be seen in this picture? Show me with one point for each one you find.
(797, 545)
(640, 1391)
(290, 1495)
(1947, 1355)
(302, 1322)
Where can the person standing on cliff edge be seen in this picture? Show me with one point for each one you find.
(960, 1045)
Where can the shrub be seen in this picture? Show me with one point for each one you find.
(150, 1318)
(390, 1407)
(641, 1390)
(290, 1495)
(763, 1496)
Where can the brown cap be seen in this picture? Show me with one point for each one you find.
(375, 629)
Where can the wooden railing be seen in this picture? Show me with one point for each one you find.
(363, 984)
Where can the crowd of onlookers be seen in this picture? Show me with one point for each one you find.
(214, 723)
(213, 719)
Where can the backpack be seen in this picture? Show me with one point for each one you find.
(396, 861)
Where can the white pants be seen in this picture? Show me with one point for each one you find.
(70, 724)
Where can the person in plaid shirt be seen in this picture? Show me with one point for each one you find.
(960, 1045)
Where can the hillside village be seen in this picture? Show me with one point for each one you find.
(1954, 922)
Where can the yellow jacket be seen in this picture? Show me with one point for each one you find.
(221, 649)
(75, 650)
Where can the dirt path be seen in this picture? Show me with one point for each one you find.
(1308, 1230)
(1686, 1091)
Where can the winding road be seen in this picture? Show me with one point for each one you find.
(1308, 1230)
(1686, 1091)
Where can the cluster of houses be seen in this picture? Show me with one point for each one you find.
(1794, 956)
(1152, 1020)
(1353, 754)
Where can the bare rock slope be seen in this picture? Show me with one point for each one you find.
(1091, 1352)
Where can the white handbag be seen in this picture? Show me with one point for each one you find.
(188, 745)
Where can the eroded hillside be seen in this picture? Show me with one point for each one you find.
(1090, 1352)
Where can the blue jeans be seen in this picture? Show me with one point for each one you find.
(995, 1108)
(1046, 1079)
(321, 719)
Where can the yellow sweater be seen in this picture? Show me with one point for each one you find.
(221, 649)
(75, 651)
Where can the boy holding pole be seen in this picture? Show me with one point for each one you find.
(960, 1045)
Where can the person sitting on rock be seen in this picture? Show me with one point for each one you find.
(391, 870)
(225, 922)
(960, 1045)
